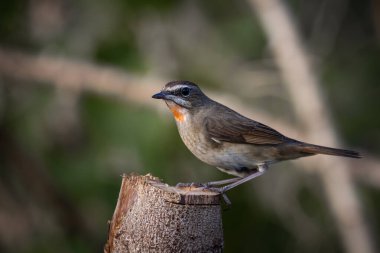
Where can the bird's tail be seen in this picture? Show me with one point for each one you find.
(315, 149)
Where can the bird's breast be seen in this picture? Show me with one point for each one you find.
(194, 139)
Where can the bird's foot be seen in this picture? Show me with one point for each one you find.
(203, 186)
(192, 185)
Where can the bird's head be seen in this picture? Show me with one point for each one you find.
(183, 93)
(182, 97)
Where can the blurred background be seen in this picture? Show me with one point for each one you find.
(76, 79)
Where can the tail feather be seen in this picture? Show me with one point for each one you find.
(315, 149)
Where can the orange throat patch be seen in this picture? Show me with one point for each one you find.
(177, 113)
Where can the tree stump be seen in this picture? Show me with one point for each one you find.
(153, 217)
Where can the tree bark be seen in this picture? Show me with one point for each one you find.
(153, 217)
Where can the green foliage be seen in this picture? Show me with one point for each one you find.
(353, 81)
(253, 229)
(120, 51)
(238, 28)
(132, 6)
(12, 27)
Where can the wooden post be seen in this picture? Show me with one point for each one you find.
(153, 217)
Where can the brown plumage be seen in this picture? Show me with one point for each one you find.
(236, 128)
(223, 138)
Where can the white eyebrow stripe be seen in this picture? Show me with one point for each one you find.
(177, 86)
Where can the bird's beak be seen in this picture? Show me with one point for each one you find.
(160, 95)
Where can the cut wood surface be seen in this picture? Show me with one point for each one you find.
(151, 216)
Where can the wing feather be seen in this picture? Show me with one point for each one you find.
(235, 128)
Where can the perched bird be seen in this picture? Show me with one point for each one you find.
(223, 138)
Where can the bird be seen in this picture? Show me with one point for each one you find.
(229, 141)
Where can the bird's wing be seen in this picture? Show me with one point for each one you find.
(236, 128)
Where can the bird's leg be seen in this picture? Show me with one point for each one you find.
(261, 169)
(209, 184)
(222, 182)
(192, 184)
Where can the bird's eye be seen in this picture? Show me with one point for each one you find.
(185, 91)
